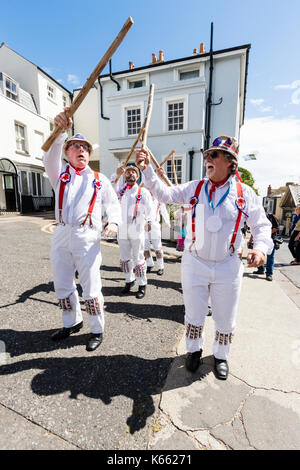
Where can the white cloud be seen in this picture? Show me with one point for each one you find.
(73, 79)
(257, 102)
(278, 144)
(291, 86)
(295, 85)
(295, 98)
(266, 109)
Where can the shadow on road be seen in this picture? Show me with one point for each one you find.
(101, 378)
(47, 288)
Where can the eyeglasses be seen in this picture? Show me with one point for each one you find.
(212, 155)
(77, 146)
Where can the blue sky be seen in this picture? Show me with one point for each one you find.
(68, 38)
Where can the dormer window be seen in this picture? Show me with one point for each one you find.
(11, 89)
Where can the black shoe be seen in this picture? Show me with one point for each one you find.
(64, 333)
(149, 269)
(258, 272)
(94, 341)
(269, 278)
(160, 272)
(221, 369)
(127, 287)
(192, 361)
(141, 292)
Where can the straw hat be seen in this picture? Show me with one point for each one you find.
(78, 138)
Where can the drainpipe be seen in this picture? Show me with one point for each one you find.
(191, 154)
(101, 100)
(113, 79)
(209, 100)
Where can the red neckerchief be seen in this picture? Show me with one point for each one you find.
(129, 186)
(216, 185)
(78, 170)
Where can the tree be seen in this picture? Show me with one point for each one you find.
(247, 178)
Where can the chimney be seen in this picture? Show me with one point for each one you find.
(161, 56)
(269, 190)
(131, 65)
(202, 48)
(154, 58)
(195, 51)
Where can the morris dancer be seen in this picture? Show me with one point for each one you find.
(137, 215)
(80, 194)
(154, 237)
(211, 264)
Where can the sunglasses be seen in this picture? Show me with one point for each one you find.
(212, 155)
(77, 146)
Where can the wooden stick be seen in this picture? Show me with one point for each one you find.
(132, 148)
(174, 170)
(148, 116)
(164, 177)
(147, 120)
(90, 81)
(167, 158)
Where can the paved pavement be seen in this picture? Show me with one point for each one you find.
(134, 392)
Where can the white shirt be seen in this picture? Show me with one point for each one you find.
(79, 191)
(128, 204)
(214, 246)
(160, 210)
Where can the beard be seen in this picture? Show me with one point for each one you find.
(130, 180)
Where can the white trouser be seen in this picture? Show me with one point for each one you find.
(222, 282)
(154, 237)
(132, 259)
(76, 248)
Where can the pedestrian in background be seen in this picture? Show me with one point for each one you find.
(294, 243)
(269, 266)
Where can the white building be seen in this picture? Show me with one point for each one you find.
(29, 101)
(180, 117)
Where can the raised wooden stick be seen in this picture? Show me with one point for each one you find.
(164, 177)
(90, 81)
(143, 132)
(174, 169)
(167, 158)
(148, 116)
(132, 148)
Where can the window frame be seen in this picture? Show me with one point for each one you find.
(7, 90)
(137, 78)
(124, 123)
(51, 98)
(189, 68)
(27, 183)
(21, 138)
(177, 157)
(64, 101)
(171, 100)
